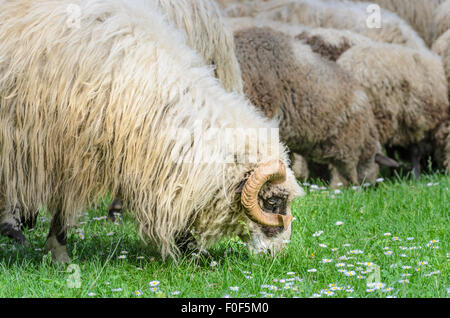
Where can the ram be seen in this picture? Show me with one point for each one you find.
(206, 32)
(111, 105)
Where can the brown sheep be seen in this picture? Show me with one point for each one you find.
(323, 114)
(415, 91)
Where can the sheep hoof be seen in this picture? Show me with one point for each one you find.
(58, 251)
(11, 231)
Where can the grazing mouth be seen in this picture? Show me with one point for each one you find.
(272, 231)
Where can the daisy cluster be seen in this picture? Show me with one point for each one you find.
(335, 192)
(354, 267)
(282, 287)
(154, 288)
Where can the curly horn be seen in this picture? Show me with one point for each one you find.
(275, 172)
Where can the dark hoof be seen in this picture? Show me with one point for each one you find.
(17, 236)
(29, 223)
(115, 209)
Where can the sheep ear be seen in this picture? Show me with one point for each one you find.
(240, 186)
(385, 161)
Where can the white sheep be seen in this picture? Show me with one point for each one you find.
(111, 103)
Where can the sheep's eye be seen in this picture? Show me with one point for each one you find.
(271, 201)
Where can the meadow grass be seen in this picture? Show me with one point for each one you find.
(393, 235)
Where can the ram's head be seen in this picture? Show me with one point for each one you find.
(266, 197)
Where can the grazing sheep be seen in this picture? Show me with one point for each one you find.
(302, 167)
(324, 115)
(387, 84)
(441, 19)
(331, 14)
(418, 13)
(206, 32)
(407, 90)
(111, 104)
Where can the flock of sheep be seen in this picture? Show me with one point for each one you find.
(367, 88)
(97, 107)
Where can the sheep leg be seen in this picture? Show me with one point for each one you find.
(348, 172)
(299, 166)
(10, 225)
(57, 240)
(416, 156)
(187, 243)
(115, 208)
(30, 222)
(336, 179)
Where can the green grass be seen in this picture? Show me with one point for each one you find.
(415, 213)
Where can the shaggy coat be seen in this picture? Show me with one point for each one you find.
(418, 13)
(205, 30)
(96, 105)
(209, 35)
(331, 14)
(323, 114)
